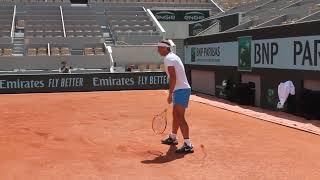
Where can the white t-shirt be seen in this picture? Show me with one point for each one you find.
(181, 79)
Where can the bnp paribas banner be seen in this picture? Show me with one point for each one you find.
(218, 54)
(180, 15)
(300, 53)
(288, 53)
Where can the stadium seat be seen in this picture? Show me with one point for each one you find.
(88, 51)
(98, 51)
(42, 52)
(153, 67)
(142, 67)
(55, 51)
(65, 51)
(20, 24)
(7, 52)
(32, 52)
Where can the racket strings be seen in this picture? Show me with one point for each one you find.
(159, 122)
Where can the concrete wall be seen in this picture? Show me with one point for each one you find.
(203, 81)
(53, 62)
(5, 40)
(312, 85)
(179, 48)
(176, 29)
(136, 39)
(127, 55)
(74, 42)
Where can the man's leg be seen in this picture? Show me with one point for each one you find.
(179, 112)
(184, 127)
(181, 103)
(175, 122)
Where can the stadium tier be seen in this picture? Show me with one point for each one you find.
(38, 35)
(263, 13)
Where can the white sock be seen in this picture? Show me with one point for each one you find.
(188, 142)
(173, 136)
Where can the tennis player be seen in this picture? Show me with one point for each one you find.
(179, 94)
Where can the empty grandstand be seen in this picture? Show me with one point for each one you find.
(263, 13)
(132, 25)
(157, 3)
(38, 35)
(92, 36)
(229, 4)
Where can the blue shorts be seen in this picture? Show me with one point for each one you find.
(181, 97)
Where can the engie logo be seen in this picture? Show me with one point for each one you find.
(197, 28)
(194, 16)
(165, 15)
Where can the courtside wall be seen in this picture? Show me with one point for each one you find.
(266, 56)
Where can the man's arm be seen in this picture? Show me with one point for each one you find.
(172, 82)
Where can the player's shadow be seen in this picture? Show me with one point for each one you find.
(170, 155)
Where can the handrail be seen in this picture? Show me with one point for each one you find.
(62, 20)
(155, 20)
(216, 4)
(13, 22)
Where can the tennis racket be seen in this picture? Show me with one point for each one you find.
(159, 122)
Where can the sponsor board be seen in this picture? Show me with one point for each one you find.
(82, 82)
(177, 15)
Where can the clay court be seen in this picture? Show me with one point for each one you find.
(108, 136)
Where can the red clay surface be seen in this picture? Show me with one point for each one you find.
(278, 117)
(108, 136)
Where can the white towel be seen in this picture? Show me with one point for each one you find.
(284, 89)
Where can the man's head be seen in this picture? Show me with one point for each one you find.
(164, 48)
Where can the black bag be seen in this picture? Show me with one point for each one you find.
(245, 93)
(310, 103)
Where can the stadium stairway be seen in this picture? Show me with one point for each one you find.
(18, 46)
